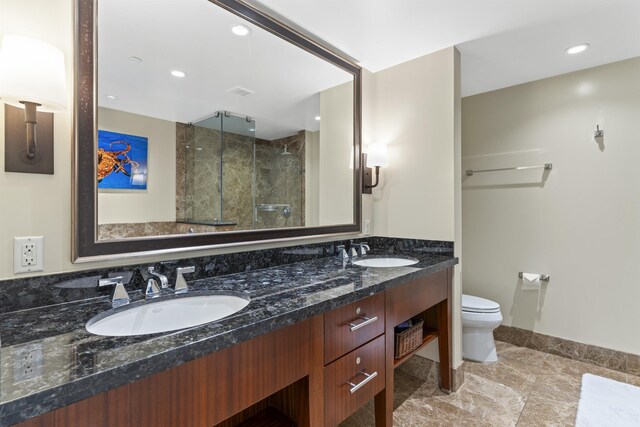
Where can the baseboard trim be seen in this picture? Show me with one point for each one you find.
(612, 359)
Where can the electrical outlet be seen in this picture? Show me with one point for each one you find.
(27, 362)
(366, 227)
(28, 254)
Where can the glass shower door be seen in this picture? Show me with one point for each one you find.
(202, 170)
(237, 171)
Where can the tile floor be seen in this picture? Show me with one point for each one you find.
(524, 388)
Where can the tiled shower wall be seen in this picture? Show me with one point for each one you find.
(279, 178)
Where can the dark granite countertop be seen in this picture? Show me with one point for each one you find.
(76, 364)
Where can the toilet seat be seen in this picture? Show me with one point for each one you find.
(473, 304)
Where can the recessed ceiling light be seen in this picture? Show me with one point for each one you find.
(111, 97)
(317, 117)
(178, 73)
(577, 48)
(135, 59)
(252, 129)
(240, 30)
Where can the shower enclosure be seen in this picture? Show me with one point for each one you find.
(234, 180)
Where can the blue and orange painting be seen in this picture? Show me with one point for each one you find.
(122, 161)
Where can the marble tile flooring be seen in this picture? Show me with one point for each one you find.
(524, 388)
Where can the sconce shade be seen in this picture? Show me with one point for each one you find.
(33, 71)
(376, 155)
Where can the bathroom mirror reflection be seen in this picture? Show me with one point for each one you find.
(210, 123)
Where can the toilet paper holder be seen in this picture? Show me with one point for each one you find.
(543, 277)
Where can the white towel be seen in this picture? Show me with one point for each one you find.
(605, 402)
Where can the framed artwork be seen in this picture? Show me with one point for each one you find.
(122, 161)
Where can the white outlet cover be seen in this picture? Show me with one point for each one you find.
(18, 244)
(366, 227)
(27, 362)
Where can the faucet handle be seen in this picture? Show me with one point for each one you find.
(181, 284)
(342, 252)
(152, 290)
(362, 248)
(119, 295)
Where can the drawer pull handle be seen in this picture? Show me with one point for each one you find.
(367, 321)
(368, 377)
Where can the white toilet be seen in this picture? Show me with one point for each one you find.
(479, 318)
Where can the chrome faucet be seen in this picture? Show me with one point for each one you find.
(346, 252)
(181, 284)
(361, 248)
(164, 282)
(119, 295)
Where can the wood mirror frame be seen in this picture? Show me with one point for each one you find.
(85, 243)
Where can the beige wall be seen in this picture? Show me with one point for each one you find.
(369, 111)
(335, 174)
(311, 178)
(417, 116)
(158, 201)
(582, 226)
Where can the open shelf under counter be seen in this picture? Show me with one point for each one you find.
(428, 335)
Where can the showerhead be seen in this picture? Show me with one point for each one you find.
(285, 152)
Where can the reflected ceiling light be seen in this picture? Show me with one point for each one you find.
(240, 30)
(317, 118)
(577, 48)
(135, 59)
(111, 97)
(178, 73)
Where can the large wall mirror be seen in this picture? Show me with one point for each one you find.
(206, 122)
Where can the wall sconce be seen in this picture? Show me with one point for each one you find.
(32, 78)
(375, 157)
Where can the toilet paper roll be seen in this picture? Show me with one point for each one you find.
(530, 282)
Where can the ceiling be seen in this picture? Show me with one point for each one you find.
(502, 42)
(194, 36)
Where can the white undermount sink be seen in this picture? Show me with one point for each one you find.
(165, 316)
(385, 262)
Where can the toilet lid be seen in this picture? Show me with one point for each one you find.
(479, 305)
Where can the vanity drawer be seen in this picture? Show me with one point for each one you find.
(352, 325)
(353, 380)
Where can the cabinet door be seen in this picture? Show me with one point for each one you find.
(353, 380)
(352, 325)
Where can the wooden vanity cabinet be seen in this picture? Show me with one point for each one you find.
(352, 325)
(353, 380)
(202, 392)
(427, 297)
(310, 367)
(354, 335)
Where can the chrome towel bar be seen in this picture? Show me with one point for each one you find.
(546, 166)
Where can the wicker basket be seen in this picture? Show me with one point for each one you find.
(409, 339)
